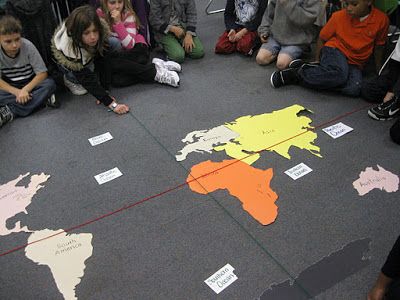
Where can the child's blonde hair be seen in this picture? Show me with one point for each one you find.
(10, 25)
(127, 8)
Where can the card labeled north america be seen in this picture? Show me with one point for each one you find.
(337, 130)
(221, 279)
(298, 171)
(108, 176)
(99, 139)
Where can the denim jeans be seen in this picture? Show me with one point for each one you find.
(333, 73)
(39, 95)
(70, 75)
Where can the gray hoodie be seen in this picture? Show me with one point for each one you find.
(291, 22)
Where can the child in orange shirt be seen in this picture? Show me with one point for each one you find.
(345, 44)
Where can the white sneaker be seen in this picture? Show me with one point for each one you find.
(165, 76)
(169, 64)
(75, 88)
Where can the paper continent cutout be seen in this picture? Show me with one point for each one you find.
(276, 131)
(376, 179)
(248, 184)
(15, 199)
(65, 255)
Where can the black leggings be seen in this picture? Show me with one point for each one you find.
(126, 68)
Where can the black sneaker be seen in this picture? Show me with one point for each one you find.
(6, 115)
(53, 102)
(284, 77)
(299, 63)
(386, 110)
(296, 63)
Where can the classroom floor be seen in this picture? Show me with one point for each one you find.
(173, 239)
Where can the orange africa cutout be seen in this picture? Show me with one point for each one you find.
(250, 185)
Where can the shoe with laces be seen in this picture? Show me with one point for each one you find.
(53, 102)
(169, 64)
(167, 77)
(386, 110)
(299, 63)
(284, 77)
(6, 115)
(75, 88)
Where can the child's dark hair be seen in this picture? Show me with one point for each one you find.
(78, 21)
(10, 25)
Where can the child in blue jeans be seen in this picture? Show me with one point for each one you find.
(345, 44)
(24, 85)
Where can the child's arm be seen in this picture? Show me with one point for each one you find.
(268, 17)
(230, 16)
(320, 44)
(126, 31)
(23, 95)
(8, 88)
(379, 52)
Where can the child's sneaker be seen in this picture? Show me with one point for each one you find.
(284, 77)
(168, 77)
(386, 110)
(75, 88)
(53, 102)
(6, 115)
(299, 63)
(169, 64)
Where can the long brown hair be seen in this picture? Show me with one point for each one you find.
(78, 21)
(127, 9)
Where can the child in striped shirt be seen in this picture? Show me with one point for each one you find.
(124, 25)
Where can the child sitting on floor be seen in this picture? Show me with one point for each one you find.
(385, 88)
(345, 44)
(175, 24)
(79, 47)
(24, 85)
(287, 30)
(242, 18)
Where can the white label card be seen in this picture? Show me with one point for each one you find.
(108, 176)
(99, 139)
(337, 130)
(221, 279)
(298, 171)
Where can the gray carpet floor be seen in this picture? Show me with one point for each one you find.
(165, 247)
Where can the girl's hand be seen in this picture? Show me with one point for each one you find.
(116, 16)
(119, 109)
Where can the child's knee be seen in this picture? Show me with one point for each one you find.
(177, 55)
(197, 52)
(49, 84)
(283, 61)
(264, 57)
